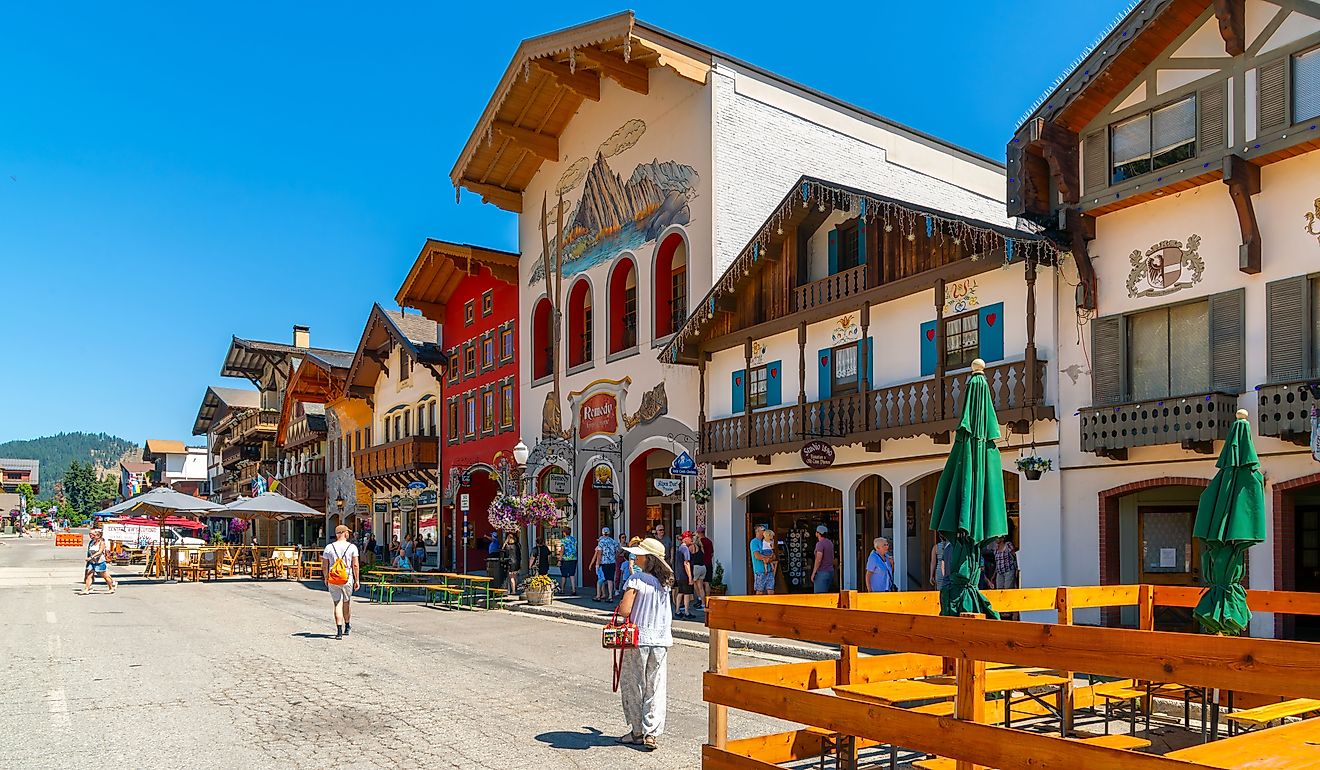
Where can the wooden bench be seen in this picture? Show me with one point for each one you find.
(1123, 692)
(383, 593)
(437, 594)
(1126, 742)
(1264, 716)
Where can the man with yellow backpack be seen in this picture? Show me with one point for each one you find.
(340, 565)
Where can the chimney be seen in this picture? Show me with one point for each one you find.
(302, 336)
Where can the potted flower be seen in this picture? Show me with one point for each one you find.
(701, 495)
(1032, 466)
(717, 586)
(540, 590)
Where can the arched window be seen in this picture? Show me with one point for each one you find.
(670, 285)
(623, 306)
(579, 323)
(543, 360)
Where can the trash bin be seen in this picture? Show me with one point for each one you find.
(495, 569)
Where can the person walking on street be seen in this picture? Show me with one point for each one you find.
(700, 557)
(371, 549)
(683, 577)
(822, 568)
(512, 558)
(659, 534)
(342, 569)
(603, 562)
(96, 564)
(568, 559)
(880, 567)
(644, 675)
(541, 553)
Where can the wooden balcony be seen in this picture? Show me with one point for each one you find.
(256, 425)
(830, 289)
(1285, 409)
(235, 454)
(307, 486)
(925, 407)
(398, 461)
(1195, 422)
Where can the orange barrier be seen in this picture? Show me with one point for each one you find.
(71, 540)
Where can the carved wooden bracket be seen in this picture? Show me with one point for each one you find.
(582, 82)
(1081, 227)
(1062, 150)
(1232, 15)
(1243, 180)
(541, 145)
(629, 74)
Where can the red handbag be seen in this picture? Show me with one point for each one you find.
(618, 637)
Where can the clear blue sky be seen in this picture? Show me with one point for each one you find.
(171, 176)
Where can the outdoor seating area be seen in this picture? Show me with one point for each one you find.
(466, 591)
(971, 692)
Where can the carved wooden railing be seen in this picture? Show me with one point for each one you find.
(1194, 421)
(927, 406)
(418, 453)
(259, 421)
(830, 289)
(1285, 409)
(308, 485)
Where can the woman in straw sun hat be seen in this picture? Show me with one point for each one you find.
(642, 681)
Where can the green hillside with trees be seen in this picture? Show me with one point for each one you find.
(56, 453)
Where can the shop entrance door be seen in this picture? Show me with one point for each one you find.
(1308, 566)
(795, 543)
(1169, 556)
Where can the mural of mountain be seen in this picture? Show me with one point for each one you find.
(668, 175)
(607, 204)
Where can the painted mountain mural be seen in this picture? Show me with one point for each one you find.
(613, 215)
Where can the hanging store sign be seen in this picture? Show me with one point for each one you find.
(1315, 434)
(427, 498)
(408, 504)
(668, 487)
(602, 476)
(599, 415)
(394, 503)
(683, 465)
(417, 485)
(817, 454)
(557, 483)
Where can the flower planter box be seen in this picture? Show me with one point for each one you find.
(538, 597)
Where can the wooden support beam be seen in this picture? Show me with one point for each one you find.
(582, 82)
(1061, 149)
(541, 145)
(1082, 229)
(718, 715)
(433, 311)
(1232, 15)
(632, 75)
(509, 200)
(1243, 180)
(969, 704)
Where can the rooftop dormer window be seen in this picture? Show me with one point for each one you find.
(1153, 140)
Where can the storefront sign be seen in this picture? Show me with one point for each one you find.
(381, 507)
(602, 477)
(426, 498)
(417, 485)
(407, 503)
(1315, 434)
(817, 454)
(599, 415)
(683, 465)
(557, 483)
(668, 487)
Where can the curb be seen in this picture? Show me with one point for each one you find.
(753, 644)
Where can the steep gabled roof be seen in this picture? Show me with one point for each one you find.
(320, 378)
(386, 329)
(258, 360)
(442, 266)
(217, 402)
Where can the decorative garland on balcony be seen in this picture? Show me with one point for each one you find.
(979, 238)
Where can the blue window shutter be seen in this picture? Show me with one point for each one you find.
(928, 352)
(739, 392)
(834, 251)
(774, 378)
(992, 332)
(861, 243)
(864, 356)
(825, 370)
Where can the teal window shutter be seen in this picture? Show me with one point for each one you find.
(825, 372)
(861, 243)
(834, 251)
(739, 392)
(991, 330)
(928, 352)
(774, 378)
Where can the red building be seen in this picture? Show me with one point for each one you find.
(472, 293)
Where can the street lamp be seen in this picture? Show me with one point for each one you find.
(520, 453)
(339, 502)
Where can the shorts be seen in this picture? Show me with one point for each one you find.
(683, 589)
(764, 581)
(342, 593)
(568, 568)
(698, 572)
(99, 568)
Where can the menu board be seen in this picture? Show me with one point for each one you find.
(799, 553)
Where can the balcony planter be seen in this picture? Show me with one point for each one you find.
(1032, 466)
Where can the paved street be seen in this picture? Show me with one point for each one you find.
(242, 675)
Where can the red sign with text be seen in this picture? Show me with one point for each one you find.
(598, 414)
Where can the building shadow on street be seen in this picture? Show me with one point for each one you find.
(588, 738)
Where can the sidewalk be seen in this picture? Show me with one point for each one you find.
(582, 608)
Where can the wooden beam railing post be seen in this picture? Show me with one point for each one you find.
(1063, 603)
(969, 704)
(939, 350)
(718, 715)
(847, 670)
(1032, 395)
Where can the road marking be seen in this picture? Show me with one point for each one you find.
(59, 708)
(50, 617)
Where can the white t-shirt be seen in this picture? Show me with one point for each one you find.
(650, 611)
(346, 551)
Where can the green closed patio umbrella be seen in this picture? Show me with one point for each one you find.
(969, 501)
(1230, 518)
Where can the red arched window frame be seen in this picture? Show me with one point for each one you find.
(542, 358)
(623, 306)
(670, 285)
(579, 323)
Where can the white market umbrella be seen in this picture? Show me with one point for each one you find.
(163, 502)
(272, 505)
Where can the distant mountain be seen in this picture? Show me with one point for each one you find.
(56, 452)
(669, 175)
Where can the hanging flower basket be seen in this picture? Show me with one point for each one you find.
(1033, 466)
(505, 513)
(701, 495)
(509, 513)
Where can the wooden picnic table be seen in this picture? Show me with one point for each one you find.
(895, 692)
(1289, 747)
(1003, 679)
(472, 586)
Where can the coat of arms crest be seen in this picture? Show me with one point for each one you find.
(1164, 268)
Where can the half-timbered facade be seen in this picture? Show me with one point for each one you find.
(1179, 161)
(311, 440)
(399, 363)
(219, 413)
(834, 353)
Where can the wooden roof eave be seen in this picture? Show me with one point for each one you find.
(429, 285)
